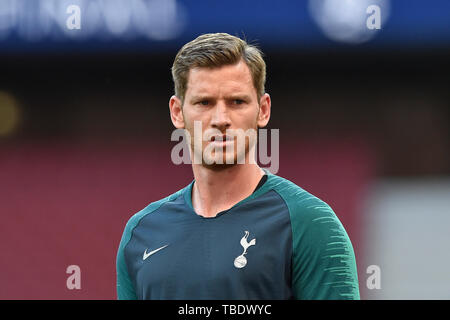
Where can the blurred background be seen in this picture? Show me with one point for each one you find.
(360, 95)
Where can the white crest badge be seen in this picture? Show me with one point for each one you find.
(241, 261)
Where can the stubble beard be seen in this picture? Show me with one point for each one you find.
(229, 158)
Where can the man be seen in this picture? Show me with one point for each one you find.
(237, 231)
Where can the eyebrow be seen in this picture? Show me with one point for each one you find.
(242, 96)
(201, 97)
(229, 97)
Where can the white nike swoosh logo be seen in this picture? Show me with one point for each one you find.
(146, 255)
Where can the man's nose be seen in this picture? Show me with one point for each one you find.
(220, 117)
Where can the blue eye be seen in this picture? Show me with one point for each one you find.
(204, 102)
(238, 101)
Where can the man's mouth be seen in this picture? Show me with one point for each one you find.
(222, 138)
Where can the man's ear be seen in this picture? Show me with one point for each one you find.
(176, 112)
(264, 110)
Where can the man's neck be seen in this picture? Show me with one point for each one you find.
(218, 190)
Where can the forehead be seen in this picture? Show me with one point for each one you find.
(224, 79)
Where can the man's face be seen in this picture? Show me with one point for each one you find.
(222, 98)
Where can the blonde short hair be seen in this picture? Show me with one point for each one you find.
(215, 50)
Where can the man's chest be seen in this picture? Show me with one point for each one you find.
(236, 256)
